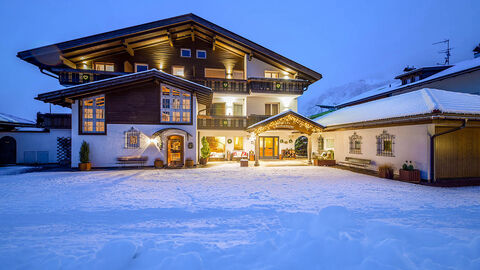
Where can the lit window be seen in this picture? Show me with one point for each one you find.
(178, 71)
(271, 74)
(238, 143)
(201, 54)
(215, 73)
(237, 109)
(176, 105)
(132, 138)
(320, 145)
(104, 66)
(355, 144)
(385, 144)
(140, 67)
(185, 53)
(93, 109)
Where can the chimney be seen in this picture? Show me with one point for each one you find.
(476, 51)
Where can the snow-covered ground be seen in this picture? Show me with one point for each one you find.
(227, 217)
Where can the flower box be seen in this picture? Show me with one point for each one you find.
(385, 173)
(410, 175)
(325, 162)
(189, 163)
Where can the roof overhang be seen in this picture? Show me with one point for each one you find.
(65, 97)
(144, 35)
(288, 120)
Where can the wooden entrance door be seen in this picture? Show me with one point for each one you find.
(175, 151)
(269, 147)
(8, 150)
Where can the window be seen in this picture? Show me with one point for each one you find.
(176, 105)
(218, 109)
(201, 54)
(140, 67)
(237, 143)
(104, 66)
(320, 145)
(271, 108)
(215, 73)
(238, 74)
(132, 139)
(178, 71)
(329, 143)
(237, 109)
(93, 114)
(217, 144)
(355, 144)
(185, 53)
(271, 74)
(385, 144)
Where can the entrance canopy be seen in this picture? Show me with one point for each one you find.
(288, 120)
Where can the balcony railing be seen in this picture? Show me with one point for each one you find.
(277, 86)
(228, 122)
(225, 85)
(79, 76)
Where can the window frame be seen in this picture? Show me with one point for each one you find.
(132, 132)
(104, 64)
(80, 116)
(185, 49)
(271, 72)
(140, 64)
(173, 71)
(381, 139)
(180, 109)
(271, 107)
(204, 51)
(354, 141)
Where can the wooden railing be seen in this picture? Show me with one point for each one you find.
(225, 85)
(74, 77)
(228, 122)
(277, 86)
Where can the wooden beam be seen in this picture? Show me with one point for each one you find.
(169, 36)
(67, 62)
(128, 48)
(214, 42)
(68, 100)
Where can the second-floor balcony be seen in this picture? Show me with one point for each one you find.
(228, 122)
(69, 77)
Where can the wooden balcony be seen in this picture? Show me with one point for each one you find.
(277, 86)
(228, 122)
(225, 85)
(79, 76)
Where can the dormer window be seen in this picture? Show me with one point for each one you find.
(140, 67)
(100, 66)
(186, 53)
(272, 74)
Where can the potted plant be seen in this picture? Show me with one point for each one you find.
(189, 163)
(158, 163)
(327, 159)
(204, 151)
(385, 171)
(85, 164)
(409, 173)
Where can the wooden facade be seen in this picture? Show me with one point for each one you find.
(457, 154)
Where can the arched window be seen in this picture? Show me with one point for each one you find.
(355, 144)
(320, 145)
(385, 144)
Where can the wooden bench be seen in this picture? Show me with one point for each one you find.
(357, 162)
(139, 160)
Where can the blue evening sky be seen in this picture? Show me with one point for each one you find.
(344, 40)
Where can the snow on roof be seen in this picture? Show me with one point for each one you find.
(418, 102)
(458, 67)
(14, 119)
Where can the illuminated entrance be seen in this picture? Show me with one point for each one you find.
(175, 151)
(269, 147)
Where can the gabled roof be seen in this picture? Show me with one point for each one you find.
(422, 69)
(460, 68)
(149, 30)
(60, 97)
(306, 124)
(417, 103)
(9, 122)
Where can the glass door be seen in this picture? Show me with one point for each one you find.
(269, 147)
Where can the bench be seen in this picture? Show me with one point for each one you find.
(358, 162)
(141, 160)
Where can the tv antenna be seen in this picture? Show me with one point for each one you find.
(446, 51)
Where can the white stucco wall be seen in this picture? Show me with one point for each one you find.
(411, 143)
(34, 142)
(105, 149)
(256, 104)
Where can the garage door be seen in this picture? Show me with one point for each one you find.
(457, 154)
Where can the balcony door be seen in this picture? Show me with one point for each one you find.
(218, 109)
(269, 147)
